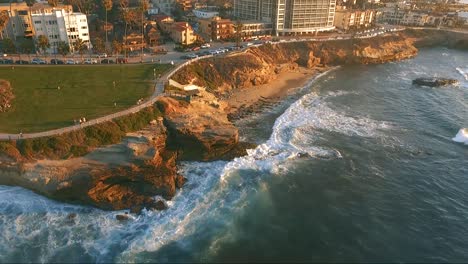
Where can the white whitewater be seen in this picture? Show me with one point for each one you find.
(462, 136)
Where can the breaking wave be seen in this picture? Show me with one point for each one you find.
(203, 210)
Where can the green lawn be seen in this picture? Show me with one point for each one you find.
(85, 91)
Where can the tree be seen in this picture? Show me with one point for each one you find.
(27, 46)
(144, 5)
(99, 45)
(80, 46)
(238, 27)
(63, 48)
(4, 18)
(83, 6)
(52, 3)
(126, 16)
(116, 47)
(107, 7)
(9, 46)
(43, 43)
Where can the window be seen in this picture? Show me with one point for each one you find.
(23, 13)
(84, 34)
(37, 22)
(84, 27)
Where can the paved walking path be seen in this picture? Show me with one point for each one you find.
(158, 91)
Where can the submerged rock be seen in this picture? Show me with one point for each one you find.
(434, 82)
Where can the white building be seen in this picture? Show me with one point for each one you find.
(204, 13)
(60, 25)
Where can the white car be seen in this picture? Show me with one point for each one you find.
(90, 61)
(205, 46)
(70, 61)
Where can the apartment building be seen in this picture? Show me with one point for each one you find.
(289, 17)
(182, 33)
(19, 24)
(346, 19)
(60, 24)
(216, 28)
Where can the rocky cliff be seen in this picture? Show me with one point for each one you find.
(259, 65)
(122, 176)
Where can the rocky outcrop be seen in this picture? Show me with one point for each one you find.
(260, 65)
(435, 37)
(199, 130)
(434, 82)
(122, 176)
(6, 95)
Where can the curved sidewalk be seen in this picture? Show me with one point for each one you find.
(158, 91)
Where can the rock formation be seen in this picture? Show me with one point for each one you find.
(122, 176)
(434, 82)
(6, 95)
(199, 130)
(260, 65)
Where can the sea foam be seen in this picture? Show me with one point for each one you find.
(461, 136)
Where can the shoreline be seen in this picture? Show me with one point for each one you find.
(242, 103)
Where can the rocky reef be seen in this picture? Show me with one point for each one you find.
(434, 82)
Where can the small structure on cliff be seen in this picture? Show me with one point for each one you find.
(186, 92)
(6, 95)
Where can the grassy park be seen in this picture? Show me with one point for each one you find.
(48, 97)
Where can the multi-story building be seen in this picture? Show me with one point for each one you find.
(353, 19)
(205, 13)
(60, 25)
(182, 33)
(216, 28)
(289, 16)
(165, 6)
(254, 28)
(19, 23)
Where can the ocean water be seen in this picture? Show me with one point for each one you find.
(359, 165)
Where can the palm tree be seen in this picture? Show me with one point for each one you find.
(143, 8)
(9, 46)
(63, 48)
(43, 44)
(126, 17)
(99, 45)
(238, 27)
(80, 46)
(107, 7)
(116, 47)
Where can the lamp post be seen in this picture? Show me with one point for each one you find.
(154, 73)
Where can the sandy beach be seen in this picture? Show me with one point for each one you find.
(248, 98)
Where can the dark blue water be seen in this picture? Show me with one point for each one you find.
(358, 166)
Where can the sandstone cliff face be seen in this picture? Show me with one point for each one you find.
(122, 176)
(259, 65)
(199, 130)
(433, 37)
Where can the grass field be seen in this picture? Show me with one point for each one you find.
(85, 91)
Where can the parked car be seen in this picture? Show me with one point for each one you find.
(107, 61)
(205, 46)
(21, 62)
(89, 61)
(195, 48)
(55, 61)
(70, 61)
(121, 60)
(6, 61)
(38, 61)
(189, 56)
(102, 55)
